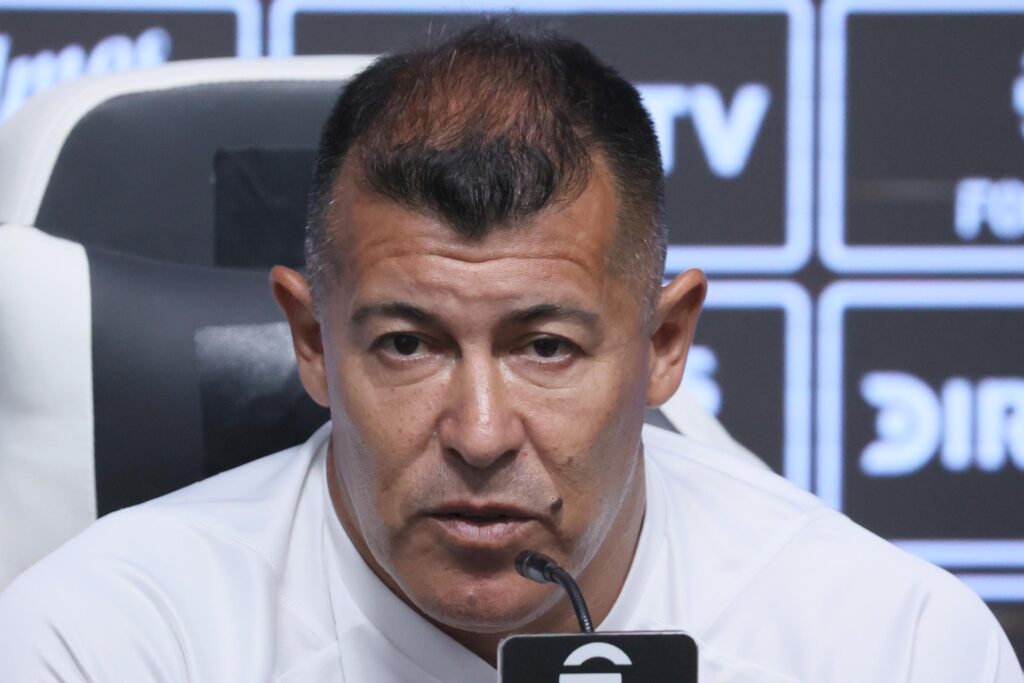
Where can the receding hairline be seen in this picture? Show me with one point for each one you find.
(620, 252)
(489, 129)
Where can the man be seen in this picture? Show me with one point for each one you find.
(484, 316)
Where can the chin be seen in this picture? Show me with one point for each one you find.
(495, 605)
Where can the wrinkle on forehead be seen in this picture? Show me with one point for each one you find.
(372, 229)
(438, 283)
(559, 256)
(456, 260)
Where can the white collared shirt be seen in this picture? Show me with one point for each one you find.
(249, 576)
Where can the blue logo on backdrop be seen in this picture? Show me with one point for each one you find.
(920, 443)
(22, 76)
(726, 133)
(49, 43)
(964, 425)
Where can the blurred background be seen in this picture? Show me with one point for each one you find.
(850, 174)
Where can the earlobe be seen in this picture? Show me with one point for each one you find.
(293, 294)
(672, 332)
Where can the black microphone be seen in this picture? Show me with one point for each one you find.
(542, 569)
(653, 656)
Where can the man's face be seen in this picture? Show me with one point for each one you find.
(487, 396)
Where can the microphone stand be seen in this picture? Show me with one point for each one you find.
(542, 569)
(651, 656)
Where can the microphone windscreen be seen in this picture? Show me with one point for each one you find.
(535, 566)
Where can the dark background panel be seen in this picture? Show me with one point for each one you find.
(749, 345)
(933, 345)
(194, 34)
(929, 102)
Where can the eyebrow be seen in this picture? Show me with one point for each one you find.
(554, 312)
(540, 312)
(392, 309)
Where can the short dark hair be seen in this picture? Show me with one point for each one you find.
(487, 129)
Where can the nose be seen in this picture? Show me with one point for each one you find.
(480, 424)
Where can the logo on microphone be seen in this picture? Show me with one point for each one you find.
(638, 657)
(589, 652)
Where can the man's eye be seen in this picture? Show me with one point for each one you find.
(548, 347)
(404, 344)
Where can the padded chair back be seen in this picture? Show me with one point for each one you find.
(192, 162)
(124, 378)
(132, 361)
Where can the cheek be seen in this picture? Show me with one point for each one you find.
(589, 439)
(392, 419)
(387, 434)
(604, 405)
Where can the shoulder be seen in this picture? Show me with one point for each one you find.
(167, 579)
(724, 518)
(875, 609)
(777, 524)
(777, 566)
(729, 496)
(246, 512)
(59, 615)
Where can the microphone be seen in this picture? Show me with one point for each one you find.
(652, 656)
(542, 569)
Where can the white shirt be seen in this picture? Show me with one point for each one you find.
(248, 576)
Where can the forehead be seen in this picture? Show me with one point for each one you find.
(379, 238)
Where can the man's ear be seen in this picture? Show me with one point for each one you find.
(675, 321)
(293, 295)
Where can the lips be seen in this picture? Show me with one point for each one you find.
(484, 526)
(481, 511)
